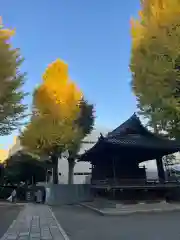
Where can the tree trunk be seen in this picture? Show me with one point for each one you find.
(160, 169)
(71, 163)
(159, 162)
(55, 168)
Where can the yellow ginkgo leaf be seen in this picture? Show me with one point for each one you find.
(56, 70)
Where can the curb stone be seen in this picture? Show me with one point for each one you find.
(12, 204)
(123, 213)
(92, 208)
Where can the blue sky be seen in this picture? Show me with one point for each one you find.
(93, 37)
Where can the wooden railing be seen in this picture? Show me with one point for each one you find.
(132, 182)
(119, 182)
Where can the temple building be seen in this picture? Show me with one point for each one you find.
(116, 157)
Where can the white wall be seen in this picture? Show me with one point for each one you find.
(80, 167)
(63, 169)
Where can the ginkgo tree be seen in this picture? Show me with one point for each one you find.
(155, 64)
(54, 126)
(85, 123)
(11, 81)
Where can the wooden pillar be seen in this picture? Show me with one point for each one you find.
(160, 169)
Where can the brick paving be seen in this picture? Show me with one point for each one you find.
(35, 222)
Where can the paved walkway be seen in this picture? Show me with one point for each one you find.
(35, 222)
(82, 224)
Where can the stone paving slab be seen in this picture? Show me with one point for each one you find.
(35, 222)
(137, 208)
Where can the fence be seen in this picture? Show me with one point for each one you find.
(67, 194)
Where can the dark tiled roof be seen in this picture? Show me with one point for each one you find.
(144, 142)
(131, 126)
(133, 134)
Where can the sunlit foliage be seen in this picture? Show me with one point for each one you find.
(155, 63)
(11, 82)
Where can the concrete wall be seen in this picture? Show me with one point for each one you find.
(80, 167)
(61, 194)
